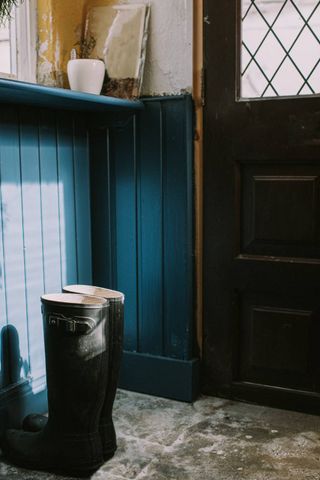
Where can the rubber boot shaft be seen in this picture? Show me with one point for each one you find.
(75, 332)
(36, 422)
(116, 326)
(107, 430)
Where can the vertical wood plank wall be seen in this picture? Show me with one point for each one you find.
(105, 206)
(143, 241)
(45, 236)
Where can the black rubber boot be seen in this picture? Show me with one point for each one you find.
(76, 347)
(35, 422)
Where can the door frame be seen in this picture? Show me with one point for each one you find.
(198, 98)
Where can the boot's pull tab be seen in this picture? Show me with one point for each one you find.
(77, 324)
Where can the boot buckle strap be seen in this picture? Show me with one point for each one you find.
(71, 324)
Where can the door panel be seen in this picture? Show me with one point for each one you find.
(275, 342)
(280, 209)
(261, 231)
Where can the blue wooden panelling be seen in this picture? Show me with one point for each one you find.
(143, 224)
(124, 202)
(152, 165)
(13, 240)
(151, 229)
(66, 196)
(51, 234)
(112, 206)
(81, 168)
(114, 218)
(45, 230)
(101, 218)
(178, 230)
(34, 261)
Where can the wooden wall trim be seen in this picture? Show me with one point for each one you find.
(160, 376)
(198, 96)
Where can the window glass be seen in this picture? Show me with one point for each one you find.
(280, 49)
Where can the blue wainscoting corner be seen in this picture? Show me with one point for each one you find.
(84, 202)
(143, 242)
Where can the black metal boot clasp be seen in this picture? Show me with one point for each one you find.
(77, 325)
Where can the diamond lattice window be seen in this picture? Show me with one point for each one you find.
(280, 53)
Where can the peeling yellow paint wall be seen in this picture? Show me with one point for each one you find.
(60, 24)
(99, 3)
(59, 30)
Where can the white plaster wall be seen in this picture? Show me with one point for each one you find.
(168, 68)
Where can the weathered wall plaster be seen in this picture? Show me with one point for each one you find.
(168, 68)
(59, 30)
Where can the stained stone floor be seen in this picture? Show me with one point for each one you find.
(212, 439)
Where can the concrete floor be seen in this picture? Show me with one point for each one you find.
(212, 439)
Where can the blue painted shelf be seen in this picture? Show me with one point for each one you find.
(23, 93)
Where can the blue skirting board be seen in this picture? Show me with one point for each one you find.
(160, 376)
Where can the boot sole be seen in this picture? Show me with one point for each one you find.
(84, 472)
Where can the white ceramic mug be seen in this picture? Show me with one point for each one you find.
(86, 75)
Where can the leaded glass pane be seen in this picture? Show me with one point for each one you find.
(280, 54)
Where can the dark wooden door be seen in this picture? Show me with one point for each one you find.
(261, 227)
